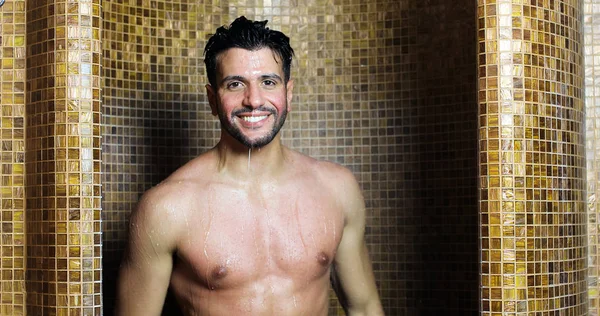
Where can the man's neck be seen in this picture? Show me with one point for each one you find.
(242, 162)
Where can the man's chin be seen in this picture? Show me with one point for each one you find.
(257, 143)
(253, 139)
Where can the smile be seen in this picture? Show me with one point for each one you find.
(254, 119)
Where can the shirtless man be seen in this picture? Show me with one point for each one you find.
(250, 227)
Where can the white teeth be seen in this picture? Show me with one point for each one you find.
(254, 119)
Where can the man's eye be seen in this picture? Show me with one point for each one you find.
(234, 85)
(269, 83)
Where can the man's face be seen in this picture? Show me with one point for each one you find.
(251, 97)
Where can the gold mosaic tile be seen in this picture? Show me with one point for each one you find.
(63, 161)
(591, 39)
(531, 108)
(383, 88)
(12, 153)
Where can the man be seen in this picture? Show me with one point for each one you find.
(250, 227)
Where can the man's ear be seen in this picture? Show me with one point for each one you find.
(290, 93)
(212, 99)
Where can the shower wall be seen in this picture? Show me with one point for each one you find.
(532, 156)
(155, 117)
(385, 88)
(12, 158)
(591, 46)
(63, 158)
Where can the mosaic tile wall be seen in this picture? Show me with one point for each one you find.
(532, 160)
(591, 24)
(63, 113)
(154, 111)
(386, 89)
(12, 158)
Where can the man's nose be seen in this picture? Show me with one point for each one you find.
(254, 96)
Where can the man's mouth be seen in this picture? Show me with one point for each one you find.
(253, 119)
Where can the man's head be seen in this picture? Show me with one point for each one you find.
(248, 67)
(249, 35)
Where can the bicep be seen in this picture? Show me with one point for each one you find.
(352, 266)
(353, 271)
(143, 287)
(146, 267)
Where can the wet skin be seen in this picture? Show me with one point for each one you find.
(259, 248)
(252, 232)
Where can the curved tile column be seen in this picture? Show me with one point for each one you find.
(63, 158)
(532, 159)
(12, 157)
(591, 25)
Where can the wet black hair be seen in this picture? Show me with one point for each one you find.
(250, 35)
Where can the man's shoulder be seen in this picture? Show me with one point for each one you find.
(168, 192)
(170, 199)
(335, 180)
(194, 170)
(327, 171)
(178, 189)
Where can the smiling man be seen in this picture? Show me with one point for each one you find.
(250, 227)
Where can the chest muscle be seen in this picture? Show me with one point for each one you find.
(238, 238)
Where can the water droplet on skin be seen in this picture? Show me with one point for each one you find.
(187, 228)
(255, 231)
(206, 237)
(334, 232)
(249, 152)
(152, 242)
(297, 214)
(267, 212)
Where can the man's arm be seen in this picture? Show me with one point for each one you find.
(146, 268)
(353, 277)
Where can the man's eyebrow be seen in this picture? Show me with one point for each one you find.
(241, 78)
(271, 76)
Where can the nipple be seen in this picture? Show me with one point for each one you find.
(219, 272)
(323, 258)
(216, 274)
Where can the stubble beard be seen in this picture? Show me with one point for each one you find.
(237, 134)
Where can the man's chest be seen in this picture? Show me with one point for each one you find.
(237, 237)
